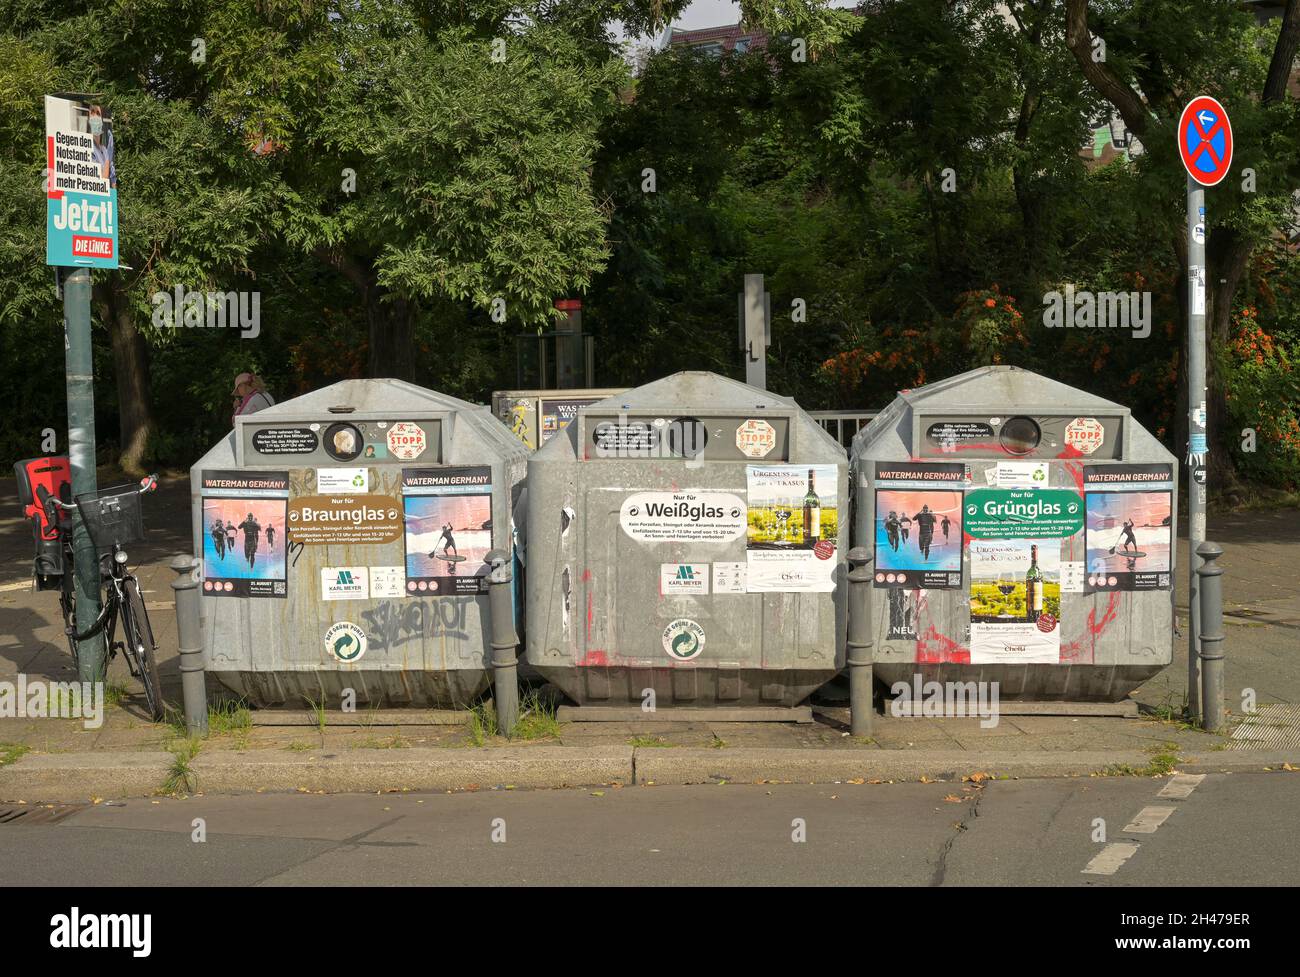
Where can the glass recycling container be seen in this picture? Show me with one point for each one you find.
(686, 546)
(343, 537)
(1023, 532)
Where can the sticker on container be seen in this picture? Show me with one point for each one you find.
(1042, 514)
(320, 520)
(448, 529)
(903, 607)
(683, 640)
(342, 480)
(755, 439)
(654, 517)
(1085, 434)
(683, 579)
(406, 441)
(345, 641)
(729, 578)
(1196, 279)
(285, 441)
(1072, 573)
(1020, 474)
(387, 582)
(344, 583)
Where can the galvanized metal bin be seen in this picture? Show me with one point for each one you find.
(1023, 533)
(354, 523)
(685, 541)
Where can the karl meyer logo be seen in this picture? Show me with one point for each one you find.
(91, 931)
(213, 310)
(1099, 310)
(344, 578)
(687, 572)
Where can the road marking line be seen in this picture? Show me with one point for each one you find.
(18, 585)
(1182, 785)
(1148, 819)
(1109, 859)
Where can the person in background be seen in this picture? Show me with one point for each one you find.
(250, 395)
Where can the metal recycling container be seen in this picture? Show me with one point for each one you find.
(343, 536)
(1023, 532)
(686, 537)
(535, 416)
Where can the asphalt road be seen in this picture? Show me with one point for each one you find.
(1230, 829)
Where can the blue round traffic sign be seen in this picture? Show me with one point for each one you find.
(1205, 140)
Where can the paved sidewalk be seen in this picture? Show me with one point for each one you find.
(1263, 646)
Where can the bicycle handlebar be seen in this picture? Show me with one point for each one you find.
(147, 484)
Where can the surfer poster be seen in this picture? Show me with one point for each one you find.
(1129, 528)
(448, 529)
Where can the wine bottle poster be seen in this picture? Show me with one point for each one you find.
(918, 538)
(1015, 601)
(791, 528)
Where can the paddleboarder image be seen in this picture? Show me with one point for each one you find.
(1129, 538)
(252, 530)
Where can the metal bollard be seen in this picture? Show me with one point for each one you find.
(1211, 634)
(505, 643)
(189, 631)
(861, 678)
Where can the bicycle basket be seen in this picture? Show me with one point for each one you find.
(112, 516)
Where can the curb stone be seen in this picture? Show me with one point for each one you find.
(79, 777)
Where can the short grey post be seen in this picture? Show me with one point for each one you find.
(189, 632)
(1211, 597)
(505, 643)
(861, 679)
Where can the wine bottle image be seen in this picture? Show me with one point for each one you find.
(1033, 587)
(812, 514)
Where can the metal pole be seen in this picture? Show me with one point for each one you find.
(80, 380)
(1211, 575)
(1197, 433)
(861, 678)
(505, 679)
(754, 329)
(189, 632)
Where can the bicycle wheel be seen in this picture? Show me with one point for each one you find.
(140, 646)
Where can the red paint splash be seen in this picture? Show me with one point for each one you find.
(594, 657)
(933, 648)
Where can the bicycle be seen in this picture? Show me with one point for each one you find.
(112, 520)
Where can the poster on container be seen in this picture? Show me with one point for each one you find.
(918, 528)
(1015, 601)
(244, 522)
(1129, 531)
(80, 184)
(792, 528)
(448, 529)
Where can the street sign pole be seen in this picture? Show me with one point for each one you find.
(80, 380)
(1196, 434)
(1205, 146)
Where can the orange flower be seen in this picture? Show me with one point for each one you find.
(990, 303)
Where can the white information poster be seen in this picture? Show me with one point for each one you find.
(653, 517)
(350, 480)
(387, 582)
(728, 578)
(792, 528)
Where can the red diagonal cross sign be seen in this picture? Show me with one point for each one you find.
(1206, 136)
(1192, 128)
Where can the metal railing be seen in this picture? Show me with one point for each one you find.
(842, 425)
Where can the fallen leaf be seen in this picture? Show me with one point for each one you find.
(977, 777)
(597, 793)
(954, 799)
